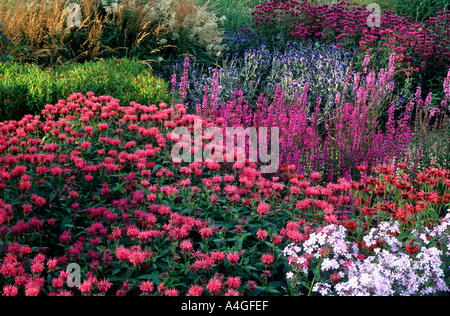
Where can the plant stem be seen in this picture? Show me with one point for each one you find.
(314, 278)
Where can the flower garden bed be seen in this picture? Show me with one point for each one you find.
(93, 203)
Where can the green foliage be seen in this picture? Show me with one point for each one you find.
(384, 4)
(159, 30)
(237, 12)
(420, 10)
(26, 89)
(5, 40)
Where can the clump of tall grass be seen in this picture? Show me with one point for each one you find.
(421, 10)
(193, 26)
(150, 30)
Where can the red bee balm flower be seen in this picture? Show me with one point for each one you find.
(267, 259)
(263, 208)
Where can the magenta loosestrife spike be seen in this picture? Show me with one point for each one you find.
(391, 67)
(350, 139)
(337, 98)
(184, 82)
(447, 86)
(174, 85)
(174, 81)
(427, 101)
(215, 90)
(205, 101)
(304, 96)
(419, 97)
(366, 62)
(356, 82)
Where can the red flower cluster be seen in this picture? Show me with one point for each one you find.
(343, 21)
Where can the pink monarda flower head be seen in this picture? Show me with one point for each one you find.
(10, 290)
(103, 126)
(214, 199)
(37, 268)
(206, 232)
(217, 256)
(171, 292)
(186, 245)
(85, 287)
(263, 208)
(103, 285)
(233, 258)
(234, 282)
(214, 286)
(267, 259)
(122, 253)
(195, 290)
(27, 209)
(137, 257)
(18, 171)
(32, 289)
(261, 234)
(251, 285)
(146, 287)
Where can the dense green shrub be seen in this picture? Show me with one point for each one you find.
(26, 89)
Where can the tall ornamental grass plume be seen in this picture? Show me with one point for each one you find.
(420, 10)
(192, 26)
(333, 140)
(55, 31)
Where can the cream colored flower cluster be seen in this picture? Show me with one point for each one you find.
(186, 20)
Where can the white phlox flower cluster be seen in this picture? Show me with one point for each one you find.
(385, 232)
(388, 272)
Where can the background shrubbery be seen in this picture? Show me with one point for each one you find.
(155, 30)
(26, 89)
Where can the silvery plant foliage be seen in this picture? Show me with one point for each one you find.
(321, 69)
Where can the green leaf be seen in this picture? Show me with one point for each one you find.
(276, 284)
(114, 279)
(66, 223)
(154, 278)
(273, 291)
(359, 230)
(305, 284)
(156, 167)
(250, 268)
(116, 271)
